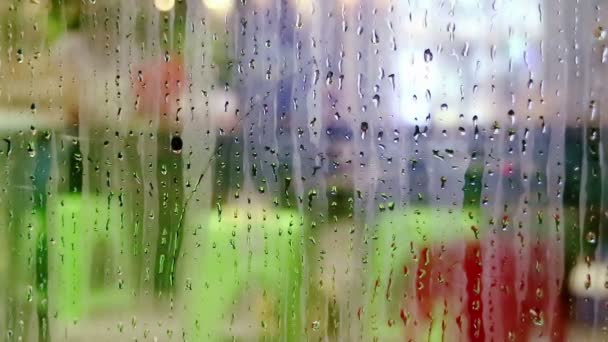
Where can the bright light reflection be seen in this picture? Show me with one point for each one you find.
(222, 6)
(304, 7)
(517, 46)
(164, 5)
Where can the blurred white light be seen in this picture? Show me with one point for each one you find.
(420, 77)
(304, 7)
(348, 3)
(589, 281)
(517, 46)
(522, 15)
(221, 6)
(164, 5)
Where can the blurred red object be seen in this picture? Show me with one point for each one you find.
(503, 294)
(158, 86)
(507, 170)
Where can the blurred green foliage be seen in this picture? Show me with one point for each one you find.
(64, 16)
(244, 250)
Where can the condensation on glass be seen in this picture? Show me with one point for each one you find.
(303, 170)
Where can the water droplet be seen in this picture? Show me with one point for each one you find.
(511, 114)
(375, 38)
(20, 56)
(31, 150)
(376, 100)
(269, 72)
(591, 237)
(329, 78)
(364, 128)
(428, 55)
(465, 50)
(504, 222)
(177, 144)
(391, 78)
(496, 127)
(600, 33)
(537, 317)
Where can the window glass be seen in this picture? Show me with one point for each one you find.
(303, 170)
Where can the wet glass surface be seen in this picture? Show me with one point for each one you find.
(303, 170)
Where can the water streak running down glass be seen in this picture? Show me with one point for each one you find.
(303, 170)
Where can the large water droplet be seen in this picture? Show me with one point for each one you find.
(31, 151)
(537, 317)
(591, 237)
(20, 56)
(364, 128)
(428, 55)
(177, 144)
(600, 33)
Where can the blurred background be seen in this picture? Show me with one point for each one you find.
(303, 170)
